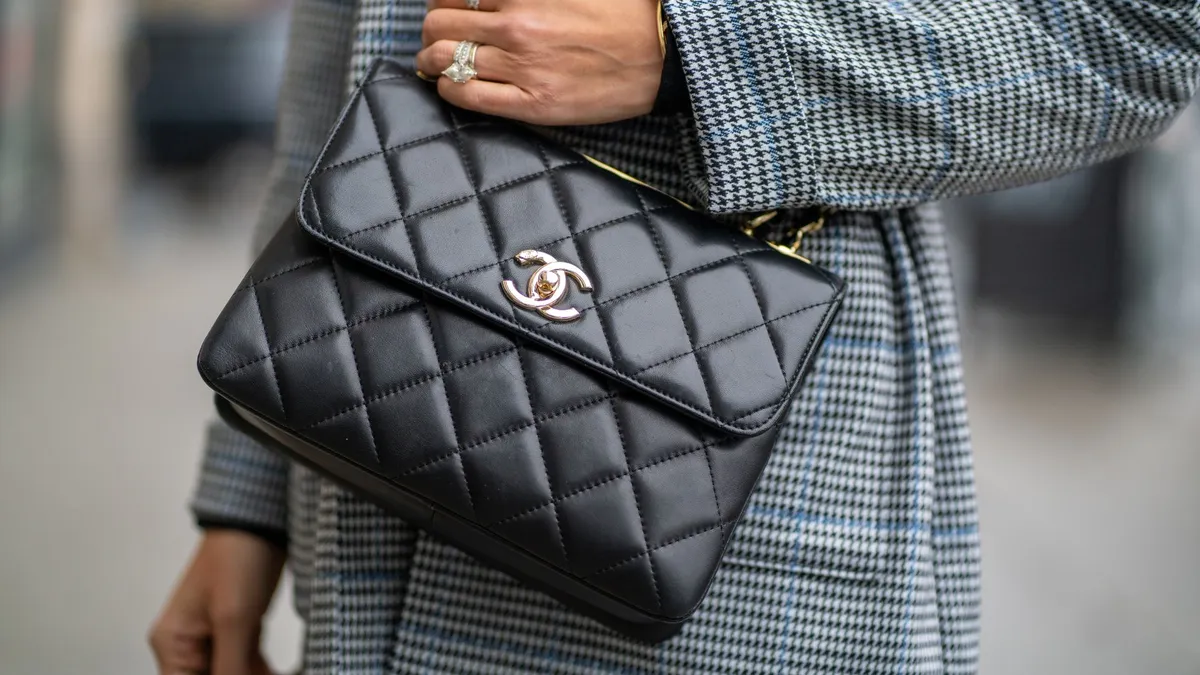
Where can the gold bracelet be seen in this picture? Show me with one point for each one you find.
(662, 30)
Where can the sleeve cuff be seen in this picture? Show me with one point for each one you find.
(672, 96)
(745, 134)
(241, 482)
(278, 538)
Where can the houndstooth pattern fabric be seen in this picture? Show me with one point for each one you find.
(870, 104)
(860, 550)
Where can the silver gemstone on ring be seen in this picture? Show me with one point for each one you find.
(472, 4)
(463, 68)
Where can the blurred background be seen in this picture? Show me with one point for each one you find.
(134, 143)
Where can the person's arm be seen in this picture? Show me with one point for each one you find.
(241, 486)
(861, 104)
(870, 104)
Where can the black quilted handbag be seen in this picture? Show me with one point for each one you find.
(559, 370)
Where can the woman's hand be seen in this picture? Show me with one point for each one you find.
(213, 620)
(549, 61)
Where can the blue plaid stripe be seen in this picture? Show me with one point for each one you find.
(876, 526)
(820, 382)
(915, 320)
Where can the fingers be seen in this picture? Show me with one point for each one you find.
(492, 98)
(178, 654)
(211, 623)
(180, 635)
(489, 28)
(492, 63)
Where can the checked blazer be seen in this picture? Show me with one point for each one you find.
(859, 552)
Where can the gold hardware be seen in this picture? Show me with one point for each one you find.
(757, 221)
(547, 287)
(791, 250)
(662, 31)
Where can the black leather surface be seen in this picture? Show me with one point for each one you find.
(690, 312)
(620, 448)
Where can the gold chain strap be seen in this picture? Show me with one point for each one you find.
(797, 234)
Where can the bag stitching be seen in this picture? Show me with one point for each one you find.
(442, 372)
(507, 432)
(732, 423)
(537, 434)
(678, 454)
(475, 270)
(488, 225)
(492, 243)
(354, 359)
(762, 310)
(808, 352)
(393, 183)
(274, 275)
(454, 202)
(641, 289)
(382, 149)
(370, 318)
(712, 478)
(385, 149)
(405, 386)
(637, 505)
(662, 259)
(648, 551)
(735, 335)
(262, 318)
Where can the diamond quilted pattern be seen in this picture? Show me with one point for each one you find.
(394, 349)
(531, 204)
(350, 205)
(617, 450)
(447, 202)
(588, 476)
(663, 333)
(592, 458)
(603, 527)
(471, 389)
(625, 244)
(500, 463)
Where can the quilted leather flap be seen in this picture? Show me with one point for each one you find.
(670, 302)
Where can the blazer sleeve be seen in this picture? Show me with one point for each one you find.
(243, 485)
(874, 104)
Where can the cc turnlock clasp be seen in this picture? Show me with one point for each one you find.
(547, 287)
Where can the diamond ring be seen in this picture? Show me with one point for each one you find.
(472, 4)
(463, 68)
